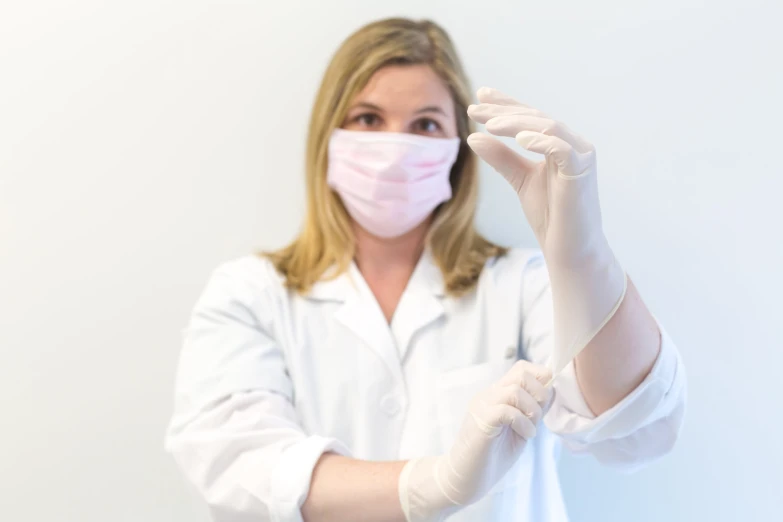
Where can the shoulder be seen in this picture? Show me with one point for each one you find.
(246, 279)
(517, 261)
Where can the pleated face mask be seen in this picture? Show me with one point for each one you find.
(390, 182)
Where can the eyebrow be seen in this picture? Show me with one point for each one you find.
(373, 107)
(367, 105)
(431, 108)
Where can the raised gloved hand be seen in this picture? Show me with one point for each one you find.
(499, 422)
(559, 196)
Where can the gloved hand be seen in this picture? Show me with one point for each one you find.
(559, 196)
(499, 422)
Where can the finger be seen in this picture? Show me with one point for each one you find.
(551, 147)
(531, 377)
(511, 165)
(541, 373)
(571, 163)
(528, 405)
(483, 112)
(518, 397)
(490, 95)
(510, 416)
(513, 376)
(512, 124)
(536, 389)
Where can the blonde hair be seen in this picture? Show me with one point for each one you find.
(327, 240)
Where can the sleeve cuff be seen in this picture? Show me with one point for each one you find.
(290, 482)
(571, 418)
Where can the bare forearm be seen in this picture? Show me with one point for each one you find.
(346, 490)
(620, 356)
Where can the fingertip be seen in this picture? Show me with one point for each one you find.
(483, 92)
(495, 125)
(523, 426)
(477, 139)
(474, 113)
(526, 137)
(543, 375)
(481, 142)
(492, 95)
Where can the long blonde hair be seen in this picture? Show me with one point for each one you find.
(327, 240)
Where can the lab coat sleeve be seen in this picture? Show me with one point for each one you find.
(640, 428)
(234, 432)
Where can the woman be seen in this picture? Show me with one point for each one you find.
(391, 364)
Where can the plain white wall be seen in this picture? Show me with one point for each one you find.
(142, 143)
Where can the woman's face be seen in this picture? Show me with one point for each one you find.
(404, 98)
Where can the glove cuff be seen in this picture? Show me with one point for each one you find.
(421, 496)
(584, 298)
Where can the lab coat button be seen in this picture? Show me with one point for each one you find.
(511, 351)
(390, 405)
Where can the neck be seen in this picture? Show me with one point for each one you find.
(377, 255)
(388, 264)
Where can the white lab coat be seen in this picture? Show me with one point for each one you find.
(269, 380)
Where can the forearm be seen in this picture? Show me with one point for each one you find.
(620, 356)
(346, 490)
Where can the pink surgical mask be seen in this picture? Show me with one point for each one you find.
(389, 181)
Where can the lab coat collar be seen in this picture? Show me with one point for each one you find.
(421, 303)
(426, 276)
(419, 306)
(430, 275)
(336, 288)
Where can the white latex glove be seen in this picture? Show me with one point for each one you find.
(499, 422)
(559, 196)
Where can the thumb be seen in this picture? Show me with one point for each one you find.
(511, 165)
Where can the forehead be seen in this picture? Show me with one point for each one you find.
(403, 87)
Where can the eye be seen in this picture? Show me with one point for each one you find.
(367, 120)
(427, 126)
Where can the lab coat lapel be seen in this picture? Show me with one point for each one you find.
(421, 303)
(363, 316)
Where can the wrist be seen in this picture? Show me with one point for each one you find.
(421, 495)
(594, 257)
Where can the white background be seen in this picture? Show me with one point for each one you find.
(142, 143)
